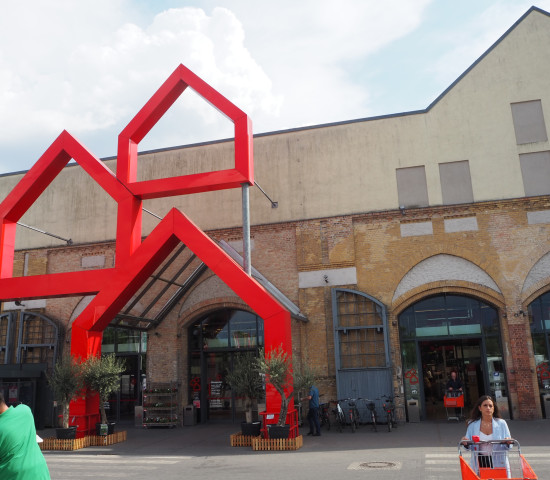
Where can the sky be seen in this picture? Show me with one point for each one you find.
(88, 66)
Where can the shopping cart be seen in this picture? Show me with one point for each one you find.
(454, 405)
(493, 459)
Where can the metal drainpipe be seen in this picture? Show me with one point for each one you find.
(246, 228)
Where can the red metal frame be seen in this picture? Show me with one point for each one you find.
(468, 473)
(136, 260)
(453, 401)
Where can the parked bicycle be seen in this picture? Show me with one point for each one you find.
(353, 413)
(339, 417)
(324, 417)
(346, 412)
(371, 407)
(389, 410)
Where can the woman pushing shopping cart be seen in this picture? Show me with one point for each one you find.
(493, 452)
(454, 398)
(493, 459)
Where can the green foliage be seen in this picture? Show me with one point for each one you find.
(66, 381)
(277, 368)
(102, 375)
(245, 380)
(304, 378)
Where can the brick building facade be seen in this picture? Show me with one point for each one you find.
(410, 245)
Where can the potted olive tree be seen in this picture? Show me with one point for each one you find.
(67, 383)
(276, 365)
(245, 380)
(102, 375)
(304, 377)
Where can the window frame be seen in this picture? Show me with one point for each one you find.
(339, 329)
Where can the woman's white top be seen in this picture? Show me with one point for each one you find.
(484, 447)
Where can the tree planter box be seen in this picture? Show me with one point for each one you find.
(101, 440)
(78, 443)
(65, 433)
(240, 440)
(64, 444)
(251, 429)
(278, 432)
(259, 443)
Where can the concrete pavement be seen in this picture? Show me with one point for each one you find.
(426, 450)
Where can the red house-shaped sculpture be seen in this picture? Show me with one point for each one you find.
(137, 260)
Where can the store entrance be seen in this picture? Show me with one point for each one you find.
(438, 359)
(121, 405)
(219, 395)
(215, 340)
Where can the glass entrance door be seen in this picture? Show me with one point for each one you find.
(214, 341)
(439, 359)
(219, 398)
(446, 332)
(121, 405)
(223, 404)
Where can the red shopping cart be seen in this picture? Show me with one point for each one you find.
(454, 405)
(493, 459)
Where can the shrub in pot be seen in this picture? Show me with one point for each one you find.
(101, 375)
(246, 381)
(66, 383)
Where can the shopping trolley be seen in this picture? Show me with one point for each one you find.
(454, 402)
(493, 459)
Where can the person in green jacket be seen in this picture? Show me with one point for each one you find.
(20, 455)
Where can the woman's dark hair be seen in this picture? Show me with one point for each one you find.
(475, 414)
(2, 397)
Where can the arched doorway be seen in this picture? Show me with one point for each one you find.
(362, 356)
(539, 318)
(448, 332)
(215, 339)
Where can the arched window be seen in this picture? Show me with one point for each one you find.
(359, 325)
(227, 329)
(28, 337)
(37, 339)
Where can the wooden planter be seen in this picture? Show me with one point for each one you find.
(259, 443)
(69, 444)
(240, 440)
(78, 443)
(102, 440)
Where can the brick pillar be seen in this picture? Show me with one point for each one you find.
(522, 379)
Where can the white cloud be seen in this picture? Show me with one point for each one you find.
(316, 46)
(95, 77)
(89, 66)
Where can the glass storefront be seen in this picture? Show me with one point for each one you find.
(214, 342)
(131, 347)
(539, 318)
(447, 333)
